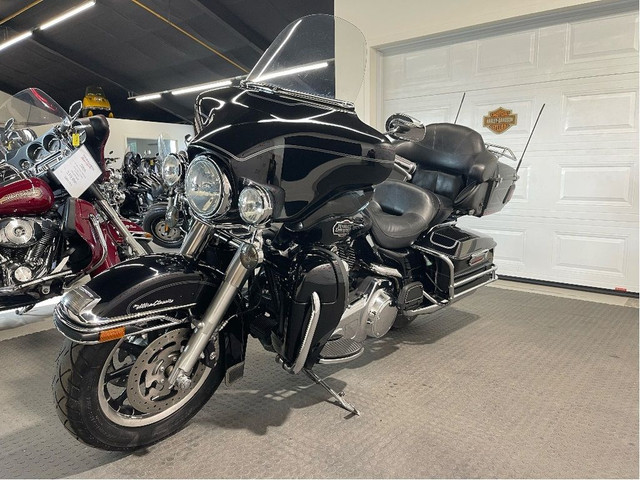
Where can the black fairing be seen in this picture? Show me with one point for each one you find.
(312, 152)
(321, 271)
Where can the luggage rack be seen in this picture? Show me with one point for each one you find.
(501, 151)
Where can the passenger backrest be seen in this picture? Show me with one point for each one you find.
(453, 162)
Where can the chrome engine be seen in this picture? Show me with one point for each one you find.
(370, 313)
(19, 232)
(111, 189)
(25, 247)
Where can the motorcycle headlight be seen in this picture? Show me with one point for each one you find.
(171, 170)
(206, 188)
(255, 205)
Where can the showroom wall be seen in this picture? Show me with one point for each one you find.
(121, 129)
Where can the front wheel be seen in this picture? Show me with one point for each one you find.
(115, 395)
(156, 224)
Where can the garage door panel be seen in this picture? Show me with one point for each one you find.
(602, 39)
(520, 196)
(609, 186)
(432, 109)
(600, 113)
(604, 46)
(508, 53)
(559, 250)
(589, 254)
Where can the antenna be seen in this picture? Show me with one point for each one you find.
(530, 135)
(460, 107)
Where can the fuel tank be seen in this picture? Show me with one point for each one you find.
(28, 196)
(314, 154)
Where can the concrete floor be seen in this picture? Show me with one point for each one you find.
(505, 383)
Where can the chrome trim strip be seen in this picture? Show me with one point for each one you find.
(79, 324)
(120, 226)
(97, 233)
(300, 360)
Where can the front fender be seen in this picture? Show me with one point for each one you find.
(122, 300)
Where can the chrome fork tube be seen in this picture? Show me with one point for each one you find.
(113, 216)
(120, 226)
(213, 316)
(196, 239)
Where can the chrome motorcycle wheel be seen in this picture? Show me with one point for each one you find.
(112, 395)
(133, 387)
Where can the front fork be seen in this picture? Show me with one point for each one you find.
(246, 258)
(115, 219)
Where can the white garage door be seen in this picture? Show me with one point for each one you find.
(574, 217)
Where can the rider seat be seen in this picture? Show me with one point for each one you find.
(400, 212)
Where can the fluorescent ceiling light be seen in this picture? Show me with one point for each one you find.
(69, 14)
(151, 96)
(291, 71)
(14, 40)
(180, 91)
(198, 88)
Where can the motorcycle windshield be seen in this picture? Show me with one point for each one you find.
(31, 108)
(303, 58)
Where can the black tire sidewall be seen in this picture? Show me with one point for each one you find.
(149, 225)
(118, 437)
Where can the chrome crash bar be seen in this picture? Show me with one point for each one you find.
(453, 285)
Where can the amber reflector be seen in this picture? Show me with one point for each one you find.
(113, 334)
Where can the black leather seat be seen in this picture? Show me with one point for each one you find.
(400, 212)
(453, 163)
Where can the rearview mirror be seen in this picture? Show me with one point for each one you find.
(75, 109)
(9, 125)
(405, 127)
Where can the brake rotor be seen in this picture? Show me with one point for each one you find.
(148, 389)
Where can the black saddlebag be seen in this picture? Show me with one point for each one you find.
(454, 162)
(461, 260)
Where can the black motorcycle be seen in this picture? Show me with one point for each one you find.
(167, 221)
(141, 186)
(299, 239)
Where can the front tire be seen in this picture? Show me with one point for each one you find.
(155, 223)
(87, 375)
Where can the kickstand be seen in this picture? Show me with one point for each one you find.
(338, 396)
(23, 310)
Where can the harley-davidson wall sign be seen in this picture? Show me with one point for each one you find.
(500, 120)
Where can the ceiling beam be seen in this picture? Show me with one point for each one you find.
(91, 66)
(219, 11)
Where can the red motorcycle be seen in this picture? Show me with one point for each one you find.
(55, 225)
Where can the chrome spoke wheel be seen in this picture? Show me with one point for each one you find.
(134, 389)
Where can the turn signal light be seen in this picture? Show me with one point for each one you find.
(112, 334)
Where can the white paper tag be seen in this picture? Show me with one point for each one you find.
(78, 172)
